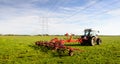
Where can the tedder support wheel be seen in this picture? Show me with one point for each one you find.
(99, 41)
(71, 54)
(92, 41)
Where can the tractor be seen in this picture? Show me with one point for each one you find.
(90, 37)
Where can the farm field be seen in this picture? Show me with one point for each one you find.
(22, 50)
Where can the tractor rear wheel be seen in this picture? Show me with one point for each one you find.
(92, 41)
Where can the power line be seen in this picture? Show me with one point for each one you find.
(108, 10)
(91, 6)
(81, 10)
(58, 2)
(54, 3)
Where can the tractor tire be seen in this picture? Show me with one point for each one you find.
(92, 41)
(99, 41)
(71, 54)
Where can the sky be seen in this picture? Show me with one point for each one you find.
(57, 17)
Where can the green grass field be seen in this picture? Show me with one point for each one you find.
(21, 50)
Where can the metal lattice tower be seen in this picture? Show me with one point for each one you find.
(44, 25)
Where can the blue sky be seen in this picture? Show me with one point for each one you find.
(59, 16)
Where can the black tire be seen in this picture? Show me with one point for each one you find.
(99, 41)
(92, 41)
(71, 53)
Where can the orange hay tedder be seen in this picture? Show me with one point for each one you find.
(90, 37)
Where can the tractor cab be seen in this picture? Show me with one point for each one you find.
(90, 32)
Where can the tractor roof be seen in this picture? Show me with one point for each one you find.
(91, 30)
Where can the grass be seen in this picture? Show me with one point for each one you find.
(21, 50)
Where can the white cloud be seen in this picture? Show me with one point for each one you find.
(115, 12)
(18, 24)
(109, 26)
